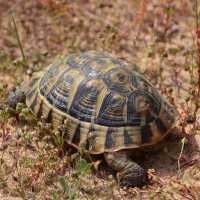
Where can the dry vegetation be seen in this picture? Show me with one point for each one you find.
(160, 37)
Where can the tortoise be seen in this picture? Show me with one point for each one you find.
(110, 107)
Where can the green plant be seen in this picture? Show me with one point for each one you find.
(17, 36)
(83, 167)
(183, 141)
(64, 184)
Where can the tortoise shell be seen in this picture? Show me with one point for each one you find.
(103, 101)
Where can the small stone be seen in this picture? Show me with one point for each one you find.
(190, 119)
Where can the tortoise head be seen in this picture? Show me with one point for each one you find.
(18, 95)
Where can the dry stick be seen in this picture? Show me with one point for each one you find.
(197, 96)
(198, 62)
(183, 141)
(196, 14)
(190, 162)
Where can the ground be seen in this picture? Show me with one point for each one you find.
(160, 37)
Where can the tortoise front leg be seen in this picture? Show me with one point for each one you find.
(132, 174)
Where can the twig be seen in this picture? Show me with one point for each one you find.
(197, 96)
(17, 36)
(183, 141)
(196, 14)
(190, 162)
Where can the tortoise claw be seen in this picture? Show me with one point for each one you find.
(132, 174)
(132, 183)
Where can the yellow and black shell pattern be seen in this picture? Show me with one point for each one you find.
(105, 103)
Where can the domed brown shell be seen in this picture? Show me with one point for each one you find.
(105, 103)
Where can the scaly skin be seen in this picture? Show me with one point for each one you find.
(18, 95)
(132, 174)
